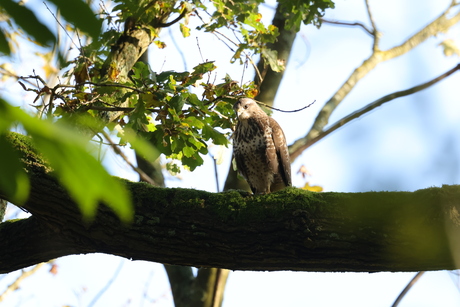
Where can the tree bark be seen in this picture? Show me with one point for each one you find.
(288, 230)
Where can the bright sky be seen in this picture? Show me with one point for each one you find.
(407, 144)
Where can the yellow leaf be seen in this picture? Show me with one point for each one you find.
(450, 48)
(314, 188)
(159, 44)
(185, 30)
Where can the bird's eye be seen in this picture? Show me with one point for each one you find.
(246, 106)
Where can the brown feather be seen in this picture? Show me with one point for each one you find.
(260, 149)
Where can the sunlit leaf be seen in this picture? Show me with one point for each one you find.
(184, 30)
(79, 172)
(314, 188)
(272, 57)
(450, 48)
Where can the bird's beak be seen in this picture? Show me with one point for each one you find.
(238, 111)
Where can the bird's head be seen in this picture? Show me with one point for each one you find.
(245, 108)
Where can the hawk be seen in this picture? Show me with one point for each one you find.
(259, 149)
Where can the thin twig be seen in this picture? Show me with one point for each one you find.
(115, 85)
(73, 86)
(199, 49)
(216, 175)
(55, 18)
(285, 111)
(375, 104)
(348, 24)
(144, 176)
(109, 283)
(407, 288)
(375, 32)
(117, 109)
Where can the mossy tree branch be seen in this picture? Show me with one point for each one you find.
(289, 230)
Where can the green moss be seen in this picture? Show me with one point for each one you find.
(25, 147)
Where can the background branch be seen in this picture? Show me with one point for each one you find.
(16, 284)
(375, 32)
(371, 106)
(348, 24)
(440, 24)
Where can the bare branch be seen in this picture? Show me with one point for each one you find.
(348, 24)
(440, 24)
(375, 32)
(297, 150)
(286, 111)
(168, 24)
(15, 285)
(407, 288)
(115, 85)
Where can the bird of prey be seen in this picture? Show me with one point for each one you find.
(260, 149)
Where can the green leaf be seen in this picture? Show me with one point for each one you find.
(13, 180)
(79, 172)
(217, 137)
(80, 14)
(26, 19)
(193, 162)
(4, 45)
(188, 151)
(177, 102)
(193, 122)
(272, 58)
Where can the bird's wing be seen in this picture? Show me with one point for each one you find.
(282, 152)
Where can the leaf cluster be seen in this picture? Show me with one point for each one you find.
(178, 113)
(78, 171)
(304, 11)
(164, 109)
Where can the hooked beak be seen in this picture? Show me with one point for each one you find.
(238, 109)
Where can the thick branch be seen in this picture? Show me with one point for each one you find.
(440, 24)
(289, 230)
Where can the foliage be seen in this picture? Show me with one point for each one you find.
(79, 172)
(179, 113)
(304, 11)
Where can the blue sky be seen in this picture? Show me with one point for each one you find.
(408, 144)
